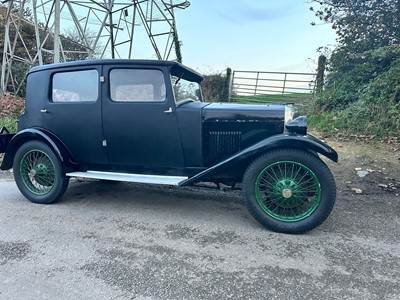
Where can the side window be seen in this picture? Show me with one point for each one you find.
(130, 85)
(75, 86)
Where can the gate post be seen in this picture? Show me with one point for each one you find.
(320, 73)
(231, 84)
(227, 85)
(284, 84)
(255, 89)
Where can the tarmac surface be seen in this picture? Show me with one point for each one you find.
(128, 241)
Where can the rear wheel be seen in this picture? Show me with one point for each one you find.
(289, 190)
(39, 173)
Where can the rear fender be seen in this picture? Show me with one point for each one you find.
(302, 142)
(5, 138)
(35, 134)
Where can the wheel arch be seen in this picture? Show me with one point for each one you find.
(30, 134)
(239, 161)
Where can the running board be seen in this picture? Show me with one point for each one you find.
(139, 178)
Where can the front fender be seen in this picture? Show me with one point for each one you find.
(302, 142)
(34, 134)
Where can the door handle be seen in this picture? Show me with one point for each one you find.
(43, 110)
(168, 111)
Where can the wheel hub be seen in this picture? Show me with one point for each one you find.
(41, 169)
(287, 193)
(285, 189)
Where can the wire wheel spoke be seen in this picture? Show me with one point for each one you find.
(38, 172)
(288, 191)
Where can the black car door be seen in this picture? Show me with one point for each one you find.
(139, 120)
(72, 112)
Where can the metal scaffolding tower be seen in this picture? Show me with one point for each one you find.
(67, 30)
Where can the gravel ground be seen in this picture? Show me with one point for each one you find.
(129, 241)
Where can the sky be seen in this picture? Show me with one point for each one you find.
(256, 35)
(259, 35)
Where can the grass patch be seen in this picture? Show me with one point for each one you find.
(350, 122)
(300, 100)
(324, 123)
(296, 98)
(9, 123)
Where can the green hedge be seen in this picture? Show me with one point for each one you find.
(363, 97)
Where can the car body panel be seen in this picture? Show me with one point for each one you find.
(189, 117)
(229, 128)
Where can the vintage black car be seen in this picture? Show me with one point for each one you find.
(145, 121)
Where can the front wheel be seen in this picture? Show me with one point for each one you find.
(39, 173)
(289, 191)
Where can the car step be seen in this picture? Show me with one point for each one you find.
(139, 178)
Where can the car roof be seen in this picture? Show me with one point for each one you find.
(177, 68)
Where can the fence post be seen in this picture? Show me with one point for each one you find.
(255, 88)
(228, 85)
(284, 84)
(320, 72)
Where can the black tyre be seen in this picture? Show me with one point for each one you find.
(289, 191)
(39, 173)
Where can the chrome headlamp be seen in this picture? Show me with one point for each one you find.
(291, 112)
(294, 123)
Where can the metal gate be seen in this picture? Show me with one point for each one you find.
(254, 86)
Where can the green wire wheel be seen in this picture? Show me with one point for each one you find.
(39, 173)
(289, 190)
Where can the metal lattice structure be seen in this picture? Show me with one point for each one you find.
(69, 30)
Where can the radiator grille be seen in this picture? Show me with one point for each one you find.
(222, 144)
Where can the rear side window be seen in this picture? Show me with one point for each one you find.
(135, 85)
(75, 86)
